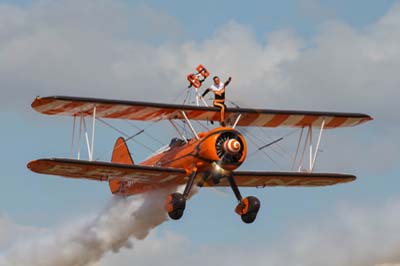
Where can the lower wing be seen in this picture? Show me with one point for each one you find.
(286, 179)
(105, 171)
(159, 177)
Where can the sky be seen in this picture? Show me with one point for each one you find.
(305, 54)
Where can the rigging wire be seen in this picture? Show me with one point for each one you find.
(249, 132)
(263, 141)
(145, 132)
(275, 141)
(128, 137)
(304, 151)
(267, 135)
(297, 149)
(188, 96)
(202, 125)
(254, 143)
(180, 94)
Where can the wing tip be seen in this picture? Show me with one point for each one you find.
(33, 165)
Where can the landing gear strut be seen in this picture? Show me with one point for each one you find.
(176, 202)
(248, 207)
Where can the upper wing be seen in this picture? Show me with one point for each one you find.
(263, 179)
(145, 111)
(105, 171)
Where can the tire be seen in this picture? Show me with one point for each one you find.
(254, 207)
(178, 203)
(249, 217)
(176, 214)
(254, 204)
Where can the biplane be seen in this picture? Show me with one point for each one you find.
(208, 159)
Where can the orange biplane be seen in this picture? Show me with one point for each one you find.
(209, 159)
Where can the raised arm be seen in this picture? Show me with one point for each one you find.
(227, 82)
(205, 92)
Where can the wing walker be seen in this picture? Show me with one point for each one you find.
(206, 159)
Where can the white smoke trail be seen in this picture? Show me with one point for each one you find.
(353, 235)
(86, 243)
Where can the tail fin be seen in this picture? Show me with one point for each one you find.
(121, 155)
(121, 152)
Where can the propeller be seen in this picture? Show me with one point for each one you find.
(229, 148)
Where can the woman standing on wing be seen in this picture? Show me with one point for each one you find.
(218, 88)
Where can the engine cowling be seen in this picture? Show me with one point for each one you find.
(227, 148)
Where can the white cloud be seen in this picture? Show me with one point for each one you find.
(86, 242)
(357, 236)
(108, 49)
(11, 231)
(352, 235)
(113, 50)
(97, 50)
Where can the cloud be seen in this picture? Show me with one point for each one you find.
(75, 48)
(11, 232)
(86, 242)
(111, 49)
(69, 47)
(353, 235)
(108, 49)
(97, 49)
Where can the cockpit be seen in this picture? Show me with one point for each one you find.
(176, 142)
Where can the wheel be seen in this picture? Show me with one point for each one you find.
(248, 209)
(249, 217)
(176, 214)
(175, 205)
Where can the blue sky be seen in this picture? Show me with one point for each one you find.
(309, 54)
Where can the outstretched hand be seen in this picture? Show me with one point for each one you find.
(228, 81)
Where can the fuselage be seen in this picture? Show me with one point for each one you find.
(221, 148)
(200, 154)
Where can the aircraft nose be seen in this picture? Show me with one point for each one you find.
(232, 146)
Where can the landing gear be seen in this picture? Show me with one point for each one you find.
(175, 206)
(176, 202)
(248, 207)
(216, 178)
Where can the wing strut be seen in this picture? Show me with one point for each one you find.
(177, 130)
(190, 125)
(93, 128)
(317, 147)
(80, 137)
(310, 146)
(312, 154)
(237, 120)
(73, 137)
(83, 130)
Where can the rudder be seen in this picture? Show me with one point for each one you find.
(120, 155)
(121, 152)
